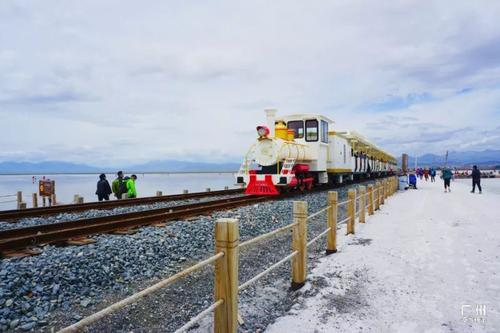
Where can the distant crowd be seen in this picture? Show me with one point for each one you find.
(123, 187)
(446, 175)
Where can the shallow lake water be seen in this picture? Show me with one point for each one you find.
(67, 185)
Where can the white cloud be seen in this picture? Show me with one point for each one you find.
(117, 80)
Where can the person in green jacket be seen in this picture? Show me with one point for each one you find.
(119, 185)
(446, 174)
(131, 191)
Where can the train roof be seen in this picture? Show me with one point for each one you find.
(360, 142)
(304, 116)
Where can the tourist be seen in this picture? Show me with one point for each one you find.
(119, 185)
(412, 181)
(426, 174)
(131, 191)
(446, 174)
(476, 179)
(103, 189)
(432, 173)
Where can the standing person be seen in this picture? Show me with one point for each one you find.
(476, 179)
(103, 189)
(131, 191)
(446, 175)
(119, 185)
(426, 174)
(432, 172)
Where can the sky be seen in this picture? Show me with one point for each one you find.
(108, 82)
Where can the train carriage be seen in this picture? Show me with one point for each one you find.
(299, 151)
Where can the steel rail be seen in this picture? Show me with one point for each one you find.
(14, 239)
(31, 212)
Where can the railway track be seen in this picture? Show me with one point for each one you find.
(13, 240)
(21, 238)
(16, 214)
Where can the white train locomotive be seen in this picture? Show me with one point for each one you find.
(299, 151)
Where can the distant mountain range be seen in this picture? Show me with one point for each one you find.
(455, 158)
(153, 166)
(467, 158)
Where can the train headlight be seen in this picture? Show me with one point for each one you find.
(262, 131)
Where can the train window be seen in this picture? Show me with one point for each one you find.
(324, 131)
(298, 128)
(312, 130)
(344, 156)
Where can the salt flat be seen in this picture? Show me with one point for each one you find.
(427, 262)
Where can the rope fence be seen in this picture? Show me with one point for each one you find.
(228, 249)
(8, 201)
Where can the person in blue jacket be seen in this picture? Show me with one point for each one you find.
(446, 174)
(432, 173)
(412, 180)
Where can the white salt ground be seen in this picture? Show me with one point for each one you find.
(427, 262)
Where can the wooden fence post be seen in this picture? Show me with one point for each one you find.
(53, 199)
(159, 193)
(34, 198)
(381, 193)
(299, 243)
(53, 184)
(386, 186)
(377, 195)
(370, 199)
(351, 210)
(331, 237)
(226, 275)
(19, 197)
(362, 204)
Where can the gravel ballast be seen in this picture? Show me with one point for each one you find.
(93, 213)
(64, 284)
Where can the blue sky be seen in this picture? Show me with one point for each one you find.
(104, 82)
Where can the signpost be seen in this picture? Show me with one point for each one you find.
(46, 189)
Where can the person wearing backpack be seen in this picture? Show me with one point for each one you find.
(476, 180)
(131, 191)
(446, 174)
(103, 189)
(119, 185)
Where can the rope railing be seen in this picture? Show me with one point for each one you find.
(343, 203)
(267, 271)
(268, 235)
(135, 297)
(312, 241)
(228, 249)
(318, 213)
(200, 316)
(7, 201)
(344, 220)
(8, 195)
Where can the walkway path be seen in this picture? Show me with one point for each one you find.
(429, 261)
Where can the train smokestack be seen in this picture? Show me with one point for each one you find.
(271, 119)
